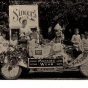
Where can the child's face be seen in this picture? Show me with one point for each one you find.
(24, 23)
(13, 37)
(82, 36)
(31, 37)
(77, 32)
(58, 33)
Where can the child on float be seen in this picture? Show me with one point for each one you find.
(13, 41)
(34, 33)
(5, 43)
(41, 39)
(82, 36)
(25, 30)
(57, 49)
(31, 45)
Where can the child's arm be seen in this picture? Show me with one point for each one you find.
(61, 48)
(80, 39)
(72, 40)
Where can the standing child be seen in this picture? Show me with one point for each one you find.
(31, 45)
(76, 40)
(85, 43)
(25, 30)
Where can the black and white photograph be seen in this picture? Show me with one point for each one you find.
(43, 39)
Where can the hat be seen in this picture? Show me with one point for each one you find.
(57, 27)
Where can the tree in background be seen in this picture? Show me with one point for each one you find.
(72, 13)
(4, 16)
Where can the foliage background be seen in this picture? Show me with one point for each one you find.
(71, 13)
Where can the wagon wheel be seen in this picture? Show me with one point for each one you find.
(10, 73)
(84, 69)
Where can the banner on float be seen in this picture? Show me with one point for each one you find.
(80, 60)
(18, 13)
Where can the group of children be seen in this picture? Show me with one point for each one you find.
(57, 48)
(80, 43)
(6, 45)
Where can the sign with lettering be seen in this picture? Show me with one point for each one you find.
(18, 13)
(80, 60)
(45, 62)
(38, 52)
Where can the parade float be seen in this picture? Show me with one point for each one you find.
(42, 61)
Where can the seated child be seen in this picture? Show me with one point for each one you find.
(82, 36)
(57, 49)
(4, 44)
(13, 41)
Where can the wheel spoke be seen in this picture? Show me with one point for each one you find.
(6, 72)
(12, 74)
(14, 71)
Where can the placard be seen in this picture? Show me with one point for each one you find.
(18, 13)
(45, 62)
